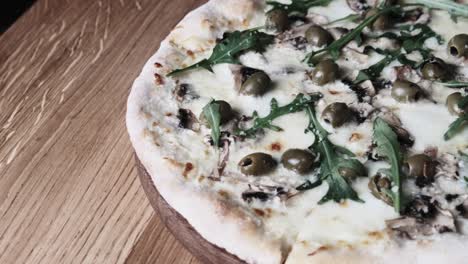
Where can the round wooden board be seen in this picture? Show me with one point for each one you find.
(203, 250)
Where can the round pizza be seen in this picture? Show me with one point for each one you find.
(313, 131)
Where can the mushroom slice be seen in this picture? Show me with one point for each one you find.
(188, 120)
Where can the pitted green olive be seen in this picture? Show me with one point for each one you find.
(383, 22)
(299, 160)
(353, 173)
(337, 114)
(225, 111)
(379, 187)
(458, 46)
(318, 36)
(277, 20)
(422, 167)
(435, 69)
(257, 84)
(452, 104)
(404, 91)
(325, 72)
(257, 164)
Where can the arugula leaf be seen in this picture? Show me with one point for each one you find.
(331, 162)
(456, 126)
(298, 104)
(412, 42)
(213, 117)
(373, 72)
(409, 42)
(351, 17)
(230, 47)
(455, 9)
(454, 84)
(334, 49)
(298, 6)
(387, 146)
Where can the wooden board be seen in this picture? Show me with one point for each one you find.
(69, 189)
(207, 253)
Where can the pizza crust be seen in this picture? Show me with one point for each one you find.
(219, 222)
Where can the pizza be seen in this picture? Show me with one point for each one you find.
(313, 131)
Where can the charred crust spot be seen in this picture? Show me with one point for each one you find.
(355, 137)
(168, 114)
(259, 212)
(334, 92)
(248, 197)
(224, 194)
(187, 169)
(158, 79)
(275, 146)
(322, 248)
(190, 53)
(158, 65)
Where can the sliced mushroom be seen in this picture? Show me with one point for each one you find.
(263, 193)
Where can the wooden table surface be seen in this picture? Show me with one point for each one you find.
(69, 191)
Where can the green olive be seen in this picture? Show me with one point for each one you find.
(404, 91)
(325, 72)
(383, 22)
(458, 45)
(379, 187)
(257, 164)
(318, 36)
(452, 104)
(225, 111)
(278, 20)
(435, 69)
(337, 114)
(353, 173)
(299, 160)
(420, 165)
(257, 84)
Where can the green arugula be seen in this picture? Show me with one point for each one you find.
(455, 9)
(410, 43)
(457, 125)
(334, 49)
(351, 17)
(454, 84)
(230, 47)
(332, 161)
(374, 71)
(298, 104)
(213, 117)
(387, 146)
(298, 6)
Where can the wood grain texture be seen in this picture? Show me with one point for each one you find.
(69, 191)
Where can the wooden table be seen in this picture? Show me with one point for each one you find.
(69, 191)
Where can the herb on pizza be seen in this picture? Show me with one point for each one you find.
(410, 43)
(298, 104)
(213, 117)
(230, 47)
(387, 144)
(454, 84)
(298, 6)
(333, 164)
(455, 9)
(334, 49)
(457, 125)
